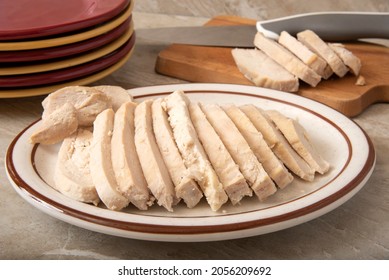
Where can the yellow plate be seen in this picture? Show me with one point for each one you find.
(65, 63)
(17, 93)
(46, 43)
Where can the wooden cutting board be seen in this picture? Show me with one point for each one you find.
(216, 65)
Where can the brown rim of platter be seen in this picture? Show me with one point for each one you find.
(202, 229)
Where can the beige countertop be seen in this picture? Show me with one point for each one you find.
(357, 229)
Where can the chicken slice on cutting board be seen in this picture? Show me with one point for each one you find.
(117, 95)
(153, 166)
(60, 124)
(227, 170)
(72, 175)
(239, 149)
(264, 71)
(298, 138)
(317, 45)
(186, 188)
(348, 58)
(125, 162)
(277, 142)
(195, 158)
(87, 101)
(265, 155)
(101, 165)
(286, 59)
(306, 55)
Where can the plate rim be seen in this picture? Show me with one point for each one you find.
(36, 91)
(66, 62)
(68, 39)
(67, 25)
(57, 52)
(72, 72)
(132, 229)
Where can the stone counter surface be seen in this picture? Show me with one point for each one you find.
(356, 230)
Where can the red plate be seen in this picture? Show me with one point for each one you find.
(21, 19)
(70, 73)
(66, 50)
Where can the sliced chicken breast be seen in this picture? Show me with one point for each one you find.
(348, 58)
(101, 165)
(239, 149)
(317, 45)
(278, 143)
(264, 154)
(311, 59)
(153, 166)
(264, 71)
(72, 172)
(188, 143)
(298, 138)
(87, 101)
(227, 170)
(125, 162)
(117, 95)
(286, 59)
(185, 187)
(61, 123)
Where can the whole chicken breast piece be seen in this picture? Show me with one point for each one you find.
(72, 175)
(264, 154)
(153, 166)
(278, 143)
(60, 124)
(88, 103)
(117, 95)
(101, 165)
(188, 143)
(227, 170)
(240, 151)
(125, 162)
(185, 186)
(298, 138)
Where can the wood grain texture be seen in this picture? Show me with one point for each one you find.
(216, 65)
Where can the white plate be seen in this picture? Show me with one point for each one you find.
(343, 143)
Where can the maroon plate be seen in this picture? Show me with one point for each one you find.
(66, 50)
(21, 19)
(50, 77)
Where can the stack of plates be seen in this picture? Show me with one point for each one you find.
(49, 44)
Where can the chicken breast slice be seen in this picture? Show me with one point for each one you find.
(153, 166)
(264, 154)
(239, 149)
(227, 170)
(185, 187)
(72, 175)
(125, 162)
(317, 45)
(101, 165)
(299, 140)
(315, 62)
(61, 123)
(87, 101)
(117, 95)
(278, 143)
(286, 59)
(348, 58)
(193, 154)
(264, 71)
